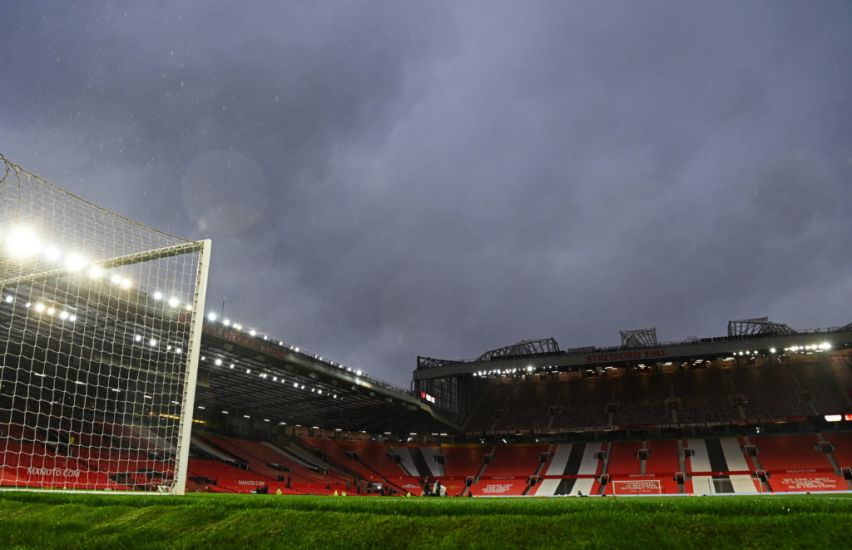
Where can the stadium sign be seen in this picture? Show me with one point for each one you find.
(52, 472)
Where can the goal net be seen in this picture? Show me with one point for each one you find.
(100, 330)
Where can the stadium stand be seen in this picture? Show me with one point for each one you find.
(641, 398)
(623, 458)
(516, 461)
(662, 457)
(785, 453)
(842, 452)
(721, 425)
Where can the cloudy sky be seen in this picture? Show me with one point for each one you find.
(387, 179)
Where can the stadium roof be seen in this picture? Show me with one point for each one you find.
(745, 335)
(266, 381)
(248, 375)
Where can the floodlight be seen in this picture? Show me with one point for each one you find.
(75, 262)
(23, 242)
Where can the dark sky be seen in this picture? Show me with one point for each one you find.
(387, 179)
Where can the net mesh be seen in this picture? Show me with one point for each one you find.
(98, 340)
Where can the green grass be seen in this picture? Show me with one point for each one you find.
(54, 520)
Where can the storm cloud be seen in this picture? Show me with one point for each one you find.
(388, 179)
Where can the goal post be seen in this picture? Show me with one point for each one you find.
(100, 335)
(188, 405)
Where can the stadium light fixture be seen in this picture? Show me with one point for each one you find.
(218, 362)
(96, 272)
(72, 318)
(226, 322)
(158, 295)
(75, 262)
(152, 342)
(9, 299)
(252, 332)
(22, 242)
(825, 346)
(211, 317)
(63, 315)
(39, 307)
(137, 338)
(772, 350)
(173, 302)
(52, 254)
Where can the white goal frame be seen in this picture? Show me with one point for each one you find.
(101, 321)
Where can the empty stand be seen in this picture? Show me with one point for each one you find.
(662, 457)
(785, 453)
(519, 461)
(623, 458)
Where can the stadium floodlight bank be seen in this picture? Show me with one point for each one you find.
(100, 332)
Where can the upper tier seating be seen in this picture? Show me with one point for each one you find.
(698, 394)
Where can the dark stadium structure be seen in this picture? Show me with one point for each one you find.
(763, 409)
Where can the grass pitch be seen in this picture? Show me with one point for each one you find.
(46, 520)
